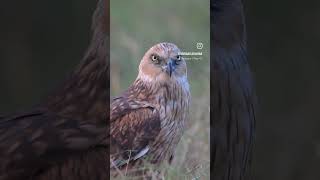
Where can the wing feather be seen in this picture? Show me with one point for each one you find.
(33, 141)
(134, 125)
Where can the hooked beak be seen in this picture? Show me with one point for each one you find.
(170, 67)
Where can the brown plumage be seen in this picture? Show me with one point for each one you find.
(64, 137)
(148, 119)
(233, 97)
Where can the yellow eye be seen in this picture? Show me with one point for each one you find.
(155, 58)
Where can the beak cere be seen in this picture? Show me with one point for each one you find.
(170, 67)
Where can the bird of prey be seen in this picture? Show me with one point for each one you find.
(233, 97)
(148, 119)
(65, 136)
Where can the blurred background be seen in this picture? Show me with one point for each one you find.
(41, 41)
(138, 25)
(285, 58)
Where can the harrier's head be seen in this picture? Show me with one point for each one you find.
(162, 62)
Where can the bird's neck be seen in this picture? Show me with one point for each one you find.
(84, 94)
(147, 89)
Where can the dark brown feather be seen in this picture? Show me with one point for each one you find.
(64, 137)
(133, 128)
(34, 141)
(233, 98)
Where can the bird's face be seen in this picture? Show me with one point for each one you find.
(163, 62)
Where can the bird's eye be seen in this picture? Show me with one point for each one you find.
(178, 58)
(155, 58)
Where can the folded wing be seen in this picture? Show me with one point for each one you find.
(134, 126)
(34, 141)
